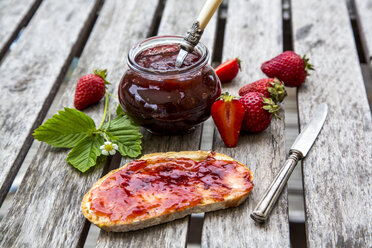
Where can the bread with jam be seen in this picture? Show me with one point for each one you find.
(162, 187)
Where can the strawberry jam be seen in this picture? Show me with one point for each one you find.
(165, 99)
(153, 188)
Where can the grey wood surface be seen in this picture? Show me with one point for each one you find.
(31, 73)
(46, 209)
(177, 18)
(13, 15)
(247, 36)
(337, 171)
(364, 18)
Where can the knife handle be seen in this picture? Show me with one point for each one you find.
(264, 207)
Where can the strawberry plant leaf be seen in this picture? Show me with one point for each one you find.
(84, 155)
(127, 134)
(65, 129)
(120, 111)
(110, 136)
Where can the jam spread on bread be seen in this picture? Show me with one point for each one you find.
(148, 188)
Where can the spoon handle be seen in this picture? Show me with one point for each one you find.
(194, 34)
(210, 6)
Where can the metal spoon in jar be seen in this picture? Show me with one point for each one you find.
(194, 34)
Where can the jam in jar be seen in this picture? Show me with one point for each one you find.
(165, 99)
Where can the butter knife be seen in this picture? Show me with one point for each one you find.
(299, 150)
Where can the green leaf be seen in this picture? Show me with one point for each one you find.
(84, 154)
(119, 111)
(102, 74)
(111, 137)
(65, 129)
(127, 134)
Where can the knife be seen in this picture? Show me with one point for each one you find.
(299, 150)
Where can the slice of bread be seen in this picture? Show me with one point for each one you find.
(205, 194)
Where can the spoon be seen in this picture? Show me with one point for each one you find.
(194, 34)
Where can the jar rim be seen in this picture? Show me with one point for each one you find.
(171, 39)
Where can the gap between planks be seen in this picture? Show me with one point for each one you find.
(11, 26)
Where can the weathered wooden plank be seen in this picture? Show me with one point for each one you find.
(13, 15)
(46, 210)
(31, 73)
(254, 38)
(176, 19)
(337, 171)
(364, 19)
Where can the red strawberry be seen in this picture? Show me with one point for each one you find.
(288, 67)
(90, 89)
(258, 111)
(269, 87)
(228, 114)
(228, 70)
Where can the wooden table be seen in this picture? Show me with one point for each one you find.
(337, 172)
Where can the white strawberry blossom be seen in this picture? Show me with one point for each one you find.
(109, 148)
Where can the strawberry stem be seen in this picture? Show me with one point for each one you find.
(116, 97)
(109, 114)
(105, 111)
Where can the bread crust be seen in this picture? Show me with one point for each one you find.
(121, 226)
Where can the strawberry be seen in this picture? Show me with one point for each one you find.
(288, 67)
(90, 89)
(258, 111)
(228, 70)
(228, 114)
(269, 87)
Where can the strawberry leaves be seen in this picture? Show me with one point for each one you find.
(102, 74)
(119, 111)
(277, 91)
(308, 66)
(270, 106)
(123, 132)
(71, 128)
(84, 155)
(65, 129)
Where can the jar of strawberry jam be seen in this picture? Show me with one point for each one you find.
(165, 99)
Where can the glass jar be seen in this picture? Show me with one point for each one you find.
(165, 99)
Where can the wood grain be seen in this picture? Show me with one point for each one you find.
(337, 171)
(46, 209)
(31, 74)
(263, 153)
(13, 16)
(176, 19)
(364, 17)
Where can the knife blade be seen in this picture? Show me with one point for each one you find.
(299, 150)
(306, 138)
